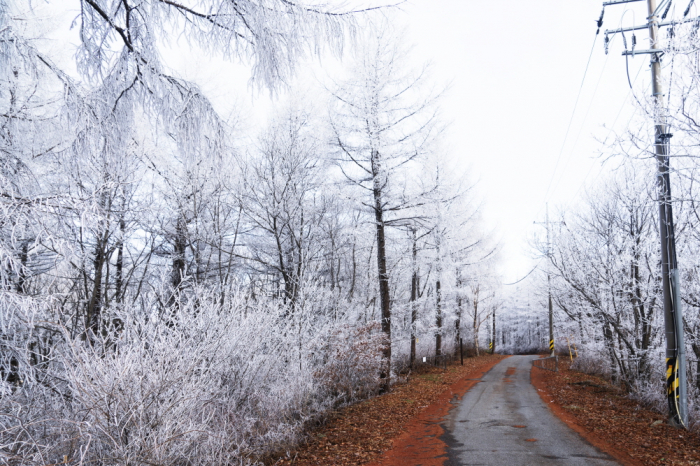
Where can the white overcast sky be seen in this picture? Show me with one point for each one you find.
(515, 69)
(518, 67)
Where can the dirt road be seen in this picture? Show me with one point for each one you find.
(502, 420)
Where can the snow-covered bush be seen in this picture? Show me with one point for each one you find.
(592, 362)
(208, 385)
(353, 362)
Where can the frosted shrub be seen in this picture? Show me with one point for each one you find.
(652, 392)
(592, 363)
(353, 362)
(206, 386)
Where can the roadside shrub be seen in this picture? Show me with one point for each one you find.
(649, 391)
(352, 362)
(593, 365)
(206, 386)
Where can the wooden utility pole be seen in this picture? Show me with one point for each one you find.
(673, 320)
(493, 331)
(549, 293)
(549, 286)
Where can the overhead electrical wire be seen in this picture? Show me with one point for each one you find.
(585, 118)
(527, 275)
(573, 113)
(612, 127)
(599, 24)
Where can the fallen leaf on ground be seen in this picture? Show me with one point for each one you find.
(360, 433)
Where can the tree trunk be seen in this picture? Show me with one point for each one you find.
(384, 295)
(414, 296)
(119, 274)
(438, 319)
(94, 306)
(610, 344)
(353, 277)
(458, 320)
(475, 322)
(117, 323)
(177, 273)
(22, 273)
(493, 332)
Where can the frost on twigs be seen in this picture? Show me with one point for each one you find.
(272, 34)
(168, 296)
(194, 387)
(352, 362)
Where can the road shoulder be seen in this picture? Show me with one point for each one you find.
(421, 441)
(603, 415)
(369, 431)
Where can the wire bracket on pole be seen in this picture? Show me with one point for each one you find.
(639, 52)
(618, 2)
(646, 26)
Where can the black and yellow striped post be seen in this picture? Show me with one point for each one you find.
(676, 384)
(673, 391)
(551, 346)
(491, 347)
(672, 382)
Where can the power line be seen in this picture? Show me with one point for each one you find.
(527, 275)
(573, 113)
(583, 123)
(612, 128)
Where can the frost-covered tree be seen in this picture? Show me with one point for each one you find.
(171, 292)
(382, 121)
(606, 265)
(283, 201)
(275, 35)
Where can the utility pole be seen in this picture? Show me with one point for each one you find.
(549, 285)
(549, 290)
(493, 332)
(673, 319)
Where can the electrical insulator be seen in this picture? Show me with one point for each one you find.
(668, 7)
(607, 42)
(687, 10)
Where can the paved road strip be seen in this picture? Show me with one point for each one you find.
(502, 420)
